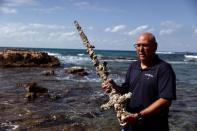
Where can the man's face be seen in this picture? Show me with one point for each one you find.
(144, 48)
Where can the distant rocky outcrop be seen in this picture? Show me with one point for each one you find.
(26, 58)
(76, 70)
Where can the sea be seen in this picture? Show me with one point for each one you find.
(74, 101)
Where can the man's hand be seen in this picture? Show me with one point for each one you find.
(132, 119)
(107, 85)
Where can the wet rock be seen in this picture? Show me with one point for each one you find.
(76, 70)
(48, 72)
(55, 96)
(26, 58)
(75, 127)
(33, 90)
(90, 114)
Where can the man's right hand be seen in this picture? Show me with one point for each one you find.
(108, 85)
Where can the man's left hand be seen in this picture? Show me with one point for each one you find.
(132, 118)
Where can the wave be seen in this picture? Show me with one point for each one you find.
(70, 59)
(83, 58)
(190, 57)
(80, 54)
(92, 77)
(178, 62)
(75, 59)
(117, 59)
(165, 52)
(53, 54)
(9, 126)
(182, 62)
(79, 79)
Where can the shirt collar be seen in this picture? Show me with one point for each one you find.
(155, 61)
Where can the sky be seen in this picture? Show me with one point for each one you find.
(108, 24)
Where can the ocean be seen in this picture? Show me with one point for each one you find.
(78, 98)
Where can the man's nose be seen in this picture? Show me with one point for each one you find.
(141, 48)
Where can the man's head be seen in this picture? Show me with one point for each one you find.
(146, 47)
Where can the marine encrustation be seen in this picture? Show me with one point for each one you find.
(115, 99)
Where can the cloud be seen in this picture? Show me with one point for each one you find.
(166, 31)
(49, 10)
(170, 24)
(195, 31)
(7, 10)
(169, 27)
(10, 6)
(115, 28)
(44, 26)
(81, 4)
(139, 29)
(34, 32)
(90, 6)
(14, 3)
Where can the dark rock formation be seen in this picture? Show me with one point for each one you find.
(48, 72)
(76, 70)
(33, 90)
(26, 58)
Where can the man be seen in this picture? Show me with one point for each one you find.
(153, 85)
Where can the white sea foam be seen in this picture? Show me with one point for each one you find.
(80, 54)
(9, 126)
(165, 52)
(78, 59)
(190, 57)
(75, 59)
(82, 79)
(178, 62)
(89, 78)
(82, 58)
(54, 54)
(118, 60)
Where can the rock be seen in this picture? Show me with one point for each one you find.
(74, 127)
(33, 90)
(48, 72)
(76, 70)
(26, 58)
(89, 114)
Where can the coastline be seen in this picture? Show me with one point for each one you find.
(77, 106)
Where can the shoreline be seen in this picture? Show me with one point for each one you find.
(78, 101)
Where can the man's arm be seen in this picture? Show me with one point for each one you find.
(154, 108)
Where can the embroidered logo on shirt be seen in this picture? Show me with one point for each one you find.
(148, 76)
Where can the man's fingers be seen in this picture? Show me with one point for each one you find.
(125, 119)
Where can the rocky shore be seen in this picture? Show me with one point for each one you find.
(26, 58)
(65, 105)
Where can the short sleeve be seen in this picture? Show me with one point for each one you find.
(167, 82)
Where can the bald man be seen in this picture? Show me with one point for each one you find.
(153, 84)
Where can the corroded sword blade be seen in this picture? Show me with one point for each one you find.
(115, 99)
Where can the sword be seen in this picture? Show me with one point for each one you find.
(116, 100)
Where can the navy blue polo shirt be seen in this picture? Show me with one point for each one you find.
(156, 81)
